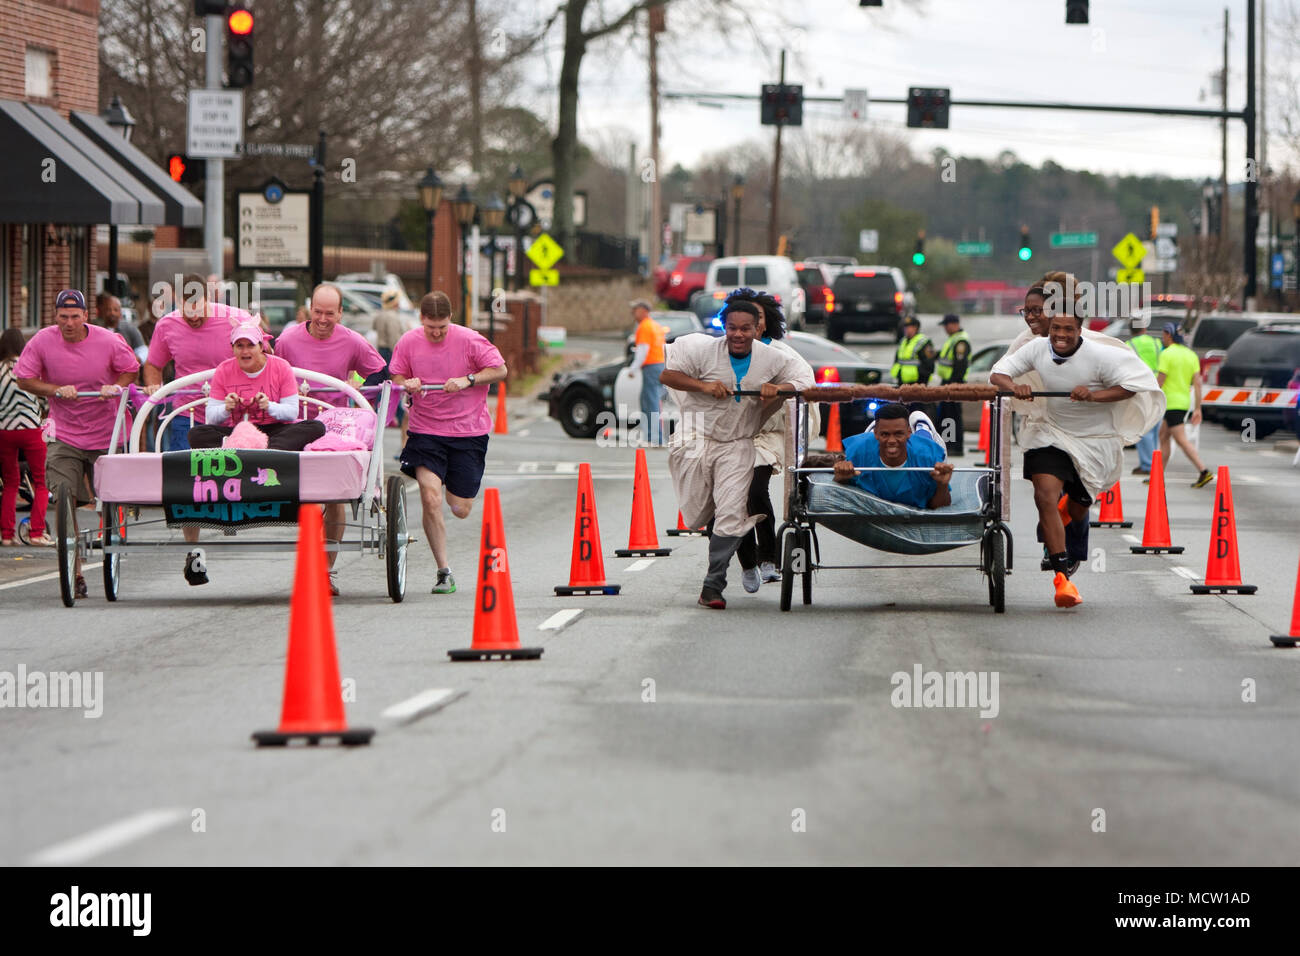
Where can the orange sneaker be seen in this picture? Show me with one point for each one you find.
(1067, 595)
(1063, 506)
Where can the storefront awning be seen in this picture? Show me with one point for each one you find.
(50, 172)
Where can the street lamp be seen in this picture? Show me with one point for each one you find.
(465, 209)
(737, 194)
(519, 218)
(119, 118)
(430, 188)
(491, 214)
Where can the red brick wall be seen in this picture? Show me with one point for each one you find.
(69, 29)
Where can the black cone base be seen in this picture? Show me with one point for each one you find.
(1110, 524)
(1224, 588)
(1284, 640)
(684, 533)
(565, 590)
(513, 654)
(1174, 550)
(352, 737)
(642, 552)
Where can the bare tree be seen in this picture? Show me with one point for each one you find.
(1212, 271)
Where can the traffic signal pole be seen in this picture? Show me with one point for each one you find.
(772, 216)
(214, 196)
(1253, 171)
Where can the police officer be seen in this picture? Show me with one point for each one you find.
(914, 360)
(951, 367)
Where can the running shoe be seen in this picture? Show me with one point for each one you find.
(769, 572)
(1067, 595)
(1071, 565)
(445, 584)
(1204, 479)
(714, 599)
(1139, 470)
(79, 589)
(750, 580)
(196, 569)
(334, 584)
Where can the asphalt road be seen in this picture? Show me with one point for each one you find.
(760, 721)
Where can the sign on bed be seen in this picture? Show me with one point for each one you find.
(229, 487)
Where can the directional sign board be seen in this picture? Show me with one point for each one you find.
(1130, 277)
(543, 277)
(1073, 240)
(1166, 248)
(1129, 251)
(869, 240)
(974, 248)
(545, 252)
(273, 228)
(214, 124)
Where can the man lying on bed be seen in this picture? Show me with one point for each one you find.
(259, 388)
(895, 441)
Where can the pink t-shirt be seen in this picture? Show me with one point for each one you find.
(194, 350)
(343, 353)
(275, 381)
(463, 351)
(95, 361)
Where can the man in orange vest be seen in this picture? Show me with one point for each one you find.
(648, 356)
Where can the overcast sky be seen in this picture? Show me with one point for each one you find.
(1134, 52)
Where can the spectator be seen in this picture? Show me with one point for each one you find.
(108, 309)
(21, 414)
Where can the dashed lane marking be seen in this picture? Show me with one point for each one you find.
(46, 577)
(527, 468)
(1183, 572)
(566, 468)
(102, 840)
(640, 565)
(559, 619)
(425, 702)
(522, 433)
(1132, 539)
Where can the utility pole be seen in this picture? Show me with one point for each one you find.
(656, 220)
(214, 192)
(773, 213)
(1252, 168)
(1224, 203)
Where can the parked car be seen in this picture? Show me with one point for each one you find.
(773, 274)
(577, 399)
(868, 299)
(676, 324)
(815, 280)
(687, 276)
(1263, 357)
(834, 265)
(388, 280)
(659, 276)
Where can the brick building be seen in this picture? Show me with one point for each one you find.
(63, 170)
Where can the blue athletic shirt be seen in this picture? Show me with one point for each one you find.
(914, 488)
(741, 367)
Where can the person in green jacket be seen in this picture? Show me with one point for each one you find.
(1147, 346)
(1179, 374)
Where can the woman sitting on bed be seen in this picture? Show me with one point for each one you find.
(257, 388)
(892, 443)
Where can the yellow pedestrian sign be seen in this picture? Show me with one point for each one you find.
(1130, 277)
(1129, 251)
(543, 277)
(545, 252)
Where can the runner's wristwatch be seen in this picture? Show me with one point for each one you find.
(470, 378)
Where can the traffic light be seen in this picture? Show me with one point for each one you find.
(918, 256)
(182, 169)
(1076, 11)
(1026, 251)
(927, 108)
(239, 48)
(782, 104)
(1155, 221)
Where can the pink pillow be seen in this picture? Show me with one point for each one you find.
(356, 424)
(331, 441)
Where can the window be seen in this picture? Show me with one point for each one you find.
(40, 73)
(32, 241)
(728, 276)
(756, 276)
(985, 359)
(699, 266)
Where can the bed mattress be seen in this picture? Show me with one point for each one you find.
(323, 476)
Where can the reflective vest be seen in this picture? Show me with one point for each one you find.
(907, 362)
(944, 366)
(1147, 348)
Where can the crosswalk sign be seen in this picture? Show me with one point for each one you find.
(1130, 277)
(543, 277)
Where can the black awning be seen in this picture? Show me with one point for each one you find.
(51, 173)
(182, 209)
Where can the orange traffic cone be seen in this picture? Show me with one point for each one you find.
(313, 694)
(587, 569)
(681, 531)
(984, 432)
(502, 426)
(1155, 524)
(833, 440)
(1112, 511)
(642, 540)
(496, 629)
(1289, 639)
(1222, 569)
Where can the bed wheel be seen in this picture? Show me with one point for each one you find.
(996, 569)
(64, 525)
(113, 519)
(788, 545)
(396, 537)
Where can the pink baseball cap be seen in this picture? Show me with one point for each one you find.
(250, 331)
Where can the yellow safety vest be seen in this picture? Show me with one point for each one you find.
(944, 366)
(907, 363)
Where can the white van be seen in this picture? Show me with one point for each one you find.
(774, 274)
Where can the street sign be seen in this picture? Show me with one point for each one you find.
(214, 124)
(700, 224)
(279, 150)
(1129, 251)
(1073, 240)
(1166, 248)
(1160, 265)
(274, 228)
(869, 240)
(543, 277)
(974, 248)
(855, 108)
(1167, 230)
(544, 253)
(1130, 277)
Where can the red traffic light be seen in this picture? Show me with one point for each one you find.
(176, 167)
(240, 22)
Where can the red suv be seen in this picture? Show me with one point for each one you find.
(815, 279)
(684, 279)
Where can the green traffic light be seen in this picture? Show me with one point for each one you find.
(918, 258)
(1025, 253)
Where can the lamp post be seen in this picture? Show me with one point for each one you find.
(517, 185)
(430, 188)
(118, 117)
(491, 215)
(1295, 257)
(737, 194)
(465, 210)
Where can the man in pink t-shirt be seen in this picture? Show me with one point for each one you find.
(59, 361)
(322, 345)
(446, 446)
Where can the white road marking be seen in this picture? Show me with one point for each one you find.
(425, 702)
(1132, 539)
(566, 468)
(1250, 479)
(1183, 572)
(522, 433)
(96, 842)
(640, 565)
(559, 619)
(527, 468)
(47, 577)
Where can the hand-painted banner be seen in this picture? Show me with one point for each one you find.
(229, 487)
